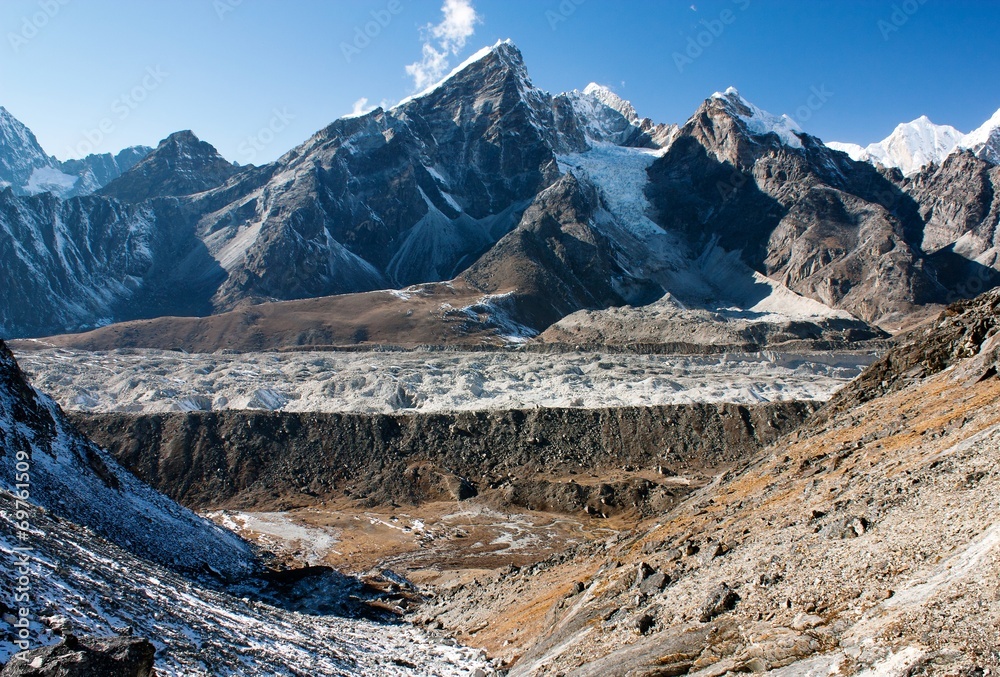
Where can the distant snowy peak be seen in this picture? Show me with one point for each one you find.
(855, 151)
(612, 100)
(985, 141)
(23, 164)
(916, 144)
(758, 121)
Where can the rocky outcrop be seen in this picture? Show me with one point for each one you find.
(960, 204)
(965, 334)
(182, 164)
(827, 227)
(556, 262)
(85, 657)
(210, 460)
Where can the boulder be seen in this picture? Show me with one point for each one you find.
(85, 657)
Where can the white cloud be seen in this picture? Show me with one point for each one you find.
(361, 107)
(457, 26)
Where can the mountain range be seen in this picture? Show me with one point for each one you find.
(912, 146)
(486, 209)
(28, 170)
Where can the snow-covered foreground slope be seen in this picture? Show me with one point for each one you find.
(428, 381)
(103, 590)
(76, 480)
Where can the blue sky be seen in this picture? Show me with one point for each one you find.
(257, 77)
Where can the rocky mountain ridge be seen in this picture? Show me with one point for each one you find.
(526, 206)
(28, 170)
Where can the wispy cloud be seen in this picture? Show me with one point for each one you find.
(442, 41)
(361, 107)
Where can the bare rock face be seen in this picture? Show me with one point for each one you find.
(557, 261)
(829, 228)
(960, 204)
(85, 657)
(181, 165)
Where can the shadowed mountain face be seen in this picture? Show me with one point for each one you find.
(557, 204)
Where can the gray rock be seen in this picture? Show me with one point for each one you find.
(643, 624)
(85, 657)
(722, 599)
(654, 584)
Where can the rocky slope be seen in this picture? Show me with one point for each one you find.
(85, 261)
(78, 481)
(865, 542)
(959, 204)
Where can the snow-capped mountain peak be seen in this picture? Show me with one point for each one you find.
(612, 100)
(23, 164)
(985, 141)
(757, 120)
(913, 145)
(505, 52)
(910, 147)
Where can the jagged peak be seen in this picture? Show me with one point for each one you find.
(982, 134)
(183, 137)
(184, 143)
(608, 97)
(504, 52)
(757, 120)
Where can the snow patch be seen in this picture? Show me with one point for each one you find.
(50, 180)
(759, 122)
(620, 174)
